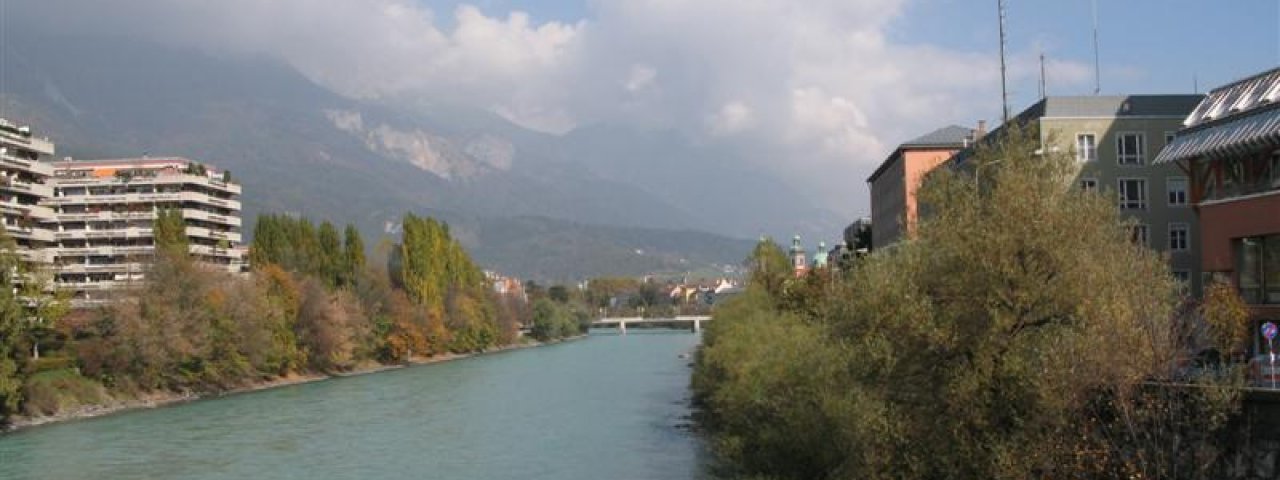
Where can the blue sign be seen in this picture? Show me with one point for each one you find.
(1269, 330)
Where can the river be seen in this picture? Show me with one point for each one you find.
(605, 407)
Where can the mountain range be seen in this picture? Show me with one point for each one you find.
(601, 199)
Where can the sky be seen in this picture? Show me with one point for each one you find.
(817, 91)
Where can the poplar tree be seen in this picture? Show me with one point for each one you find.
(328, 262)
(170, 232)
(353, 261)
(13, 327)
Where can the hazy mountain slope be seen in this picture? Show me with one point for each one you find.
(299, 148)
(735, 196)
(573, 250)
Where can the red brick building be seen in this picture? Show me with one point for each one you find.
(1230, 149)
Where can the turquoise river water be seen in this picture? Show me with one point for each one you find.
(605, 407)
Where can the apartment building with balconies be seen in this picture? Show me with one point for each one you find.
(105, 210)
(24, 173)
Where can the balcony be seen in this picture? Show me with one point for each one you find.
(193, 214)
(37, 234)
(158, 179)
(95, 285)
(107, 215)
(130, 232)
(127, 198)
(232, 237)
(36, 167)
(105, 251)
(232, 253)
(35, 256)
(23, 210)
(123, 267)
(21, 187)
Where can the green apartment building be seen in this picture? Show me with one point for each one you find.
(1115, 140)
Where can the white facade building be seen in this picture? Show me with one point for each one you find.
(90, 222)
(105, 210)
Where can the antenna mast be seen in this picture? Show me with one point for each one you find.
(1044, 92)
(1097, 64)
(1004, 88)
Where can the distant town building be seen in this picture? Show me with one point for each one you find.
(858, 236)
(510, 286)
(895, 181)
(1115, 140)
(1229, 148)
(705, 293)
(820, 256)
(799, 264)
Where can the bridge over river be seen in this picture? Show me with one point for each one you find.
(690, 322)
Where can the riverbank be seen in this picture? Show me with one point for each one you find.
(163, 399)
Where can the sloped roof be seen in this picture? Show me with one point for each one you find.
(1237, 99)
(951, 136)
(948, 136)
(1117, 106)
(1236, 118)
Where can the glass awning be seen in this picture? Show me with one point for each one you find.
(1260, 131)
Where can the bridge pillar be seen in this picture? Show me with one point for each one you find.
(697, 325)
(622, 326)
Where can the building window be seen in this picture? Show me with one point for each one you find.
(1258, 269)
(1131, 149)
(1177, 190)
(1133, 194)
(1139, 235)
(1089, 184)
(1086, 147)
(1179, 237)
(1168, 138)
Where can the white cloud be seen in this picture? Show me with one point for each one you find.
(641, 77)
(732, 118)
(818, 84)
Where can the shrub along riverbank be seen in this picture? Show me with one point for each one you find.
(312, 306)
(1020, 334)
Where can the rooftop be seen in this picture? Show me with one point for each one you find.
(950, 136)
(1236, 118)
(1176, 105)
(142, 162)
(1237, 99)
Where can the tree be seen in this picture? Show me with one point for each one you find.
(170, 231)
(329, 259)
(46, 306)
(13, 327)
(353, 261)
(1006, 340)
(558, 293)
(769, 266)
(1227, 317)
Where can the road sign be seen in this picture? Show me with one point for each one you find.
(1269, 330)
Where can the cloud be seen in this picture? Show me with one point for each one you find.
(817, 88)
(732, 118)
